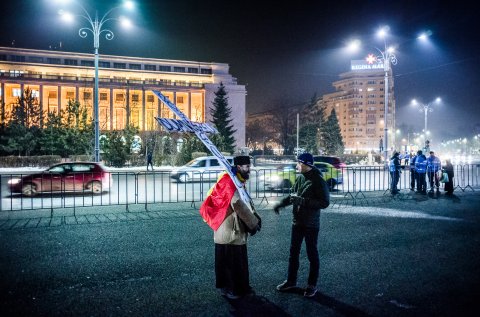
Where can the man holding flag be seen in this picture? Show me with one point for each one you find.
(232, 219)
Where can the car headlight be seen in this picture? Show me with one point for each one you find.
(14, 181)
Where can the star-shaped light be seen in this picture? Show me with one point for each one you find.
(371, 59)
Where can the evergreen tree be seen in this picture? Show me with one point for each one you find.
(221, 114)
(332, 136)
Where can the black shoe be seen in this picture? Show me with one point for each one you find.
(285, 286)
(229, 294)
(310, 291)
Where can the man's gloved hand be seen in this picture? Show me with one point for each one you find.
(276, 208)
(297, 200)
(254, 231)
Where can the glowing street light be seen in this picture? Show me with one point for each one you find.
(426, 108)
(96, 27)
(386, 56)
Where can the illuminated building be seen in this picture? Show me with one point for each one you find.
(358, 101)
(125, 85)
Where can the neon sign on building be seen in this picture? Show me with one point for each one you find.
(371, 62)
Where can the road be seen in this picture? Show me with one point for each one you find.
(129, 188)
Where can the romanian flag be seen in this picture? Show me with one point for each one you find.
(214, 208)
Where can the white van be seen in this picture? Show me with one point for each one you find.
(201, 168)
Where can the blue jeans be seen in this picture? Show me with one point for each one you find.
(311, 237)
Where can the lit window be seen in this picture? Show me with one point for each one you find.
(16, 92)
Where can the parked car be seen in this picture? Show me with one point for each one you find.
(333, 160)
(77, 177)
(284, 177)
(201, 168)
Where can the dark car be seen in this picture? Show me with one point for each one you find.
(333, 160)
(76, 177)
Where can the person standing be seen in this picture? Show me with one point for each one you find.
(413, 173)
(421, 169)
(395, 170)
(433, 166)
(449, 170)
(149, 160)
(232, 219)
(309, 195)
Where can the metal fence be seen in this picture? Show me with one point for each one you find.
(144, 188)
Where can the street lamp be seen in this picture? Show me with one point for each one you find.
(386, 57)
(96, 27)
(426, 109)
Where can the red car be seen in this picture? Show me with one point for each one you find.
(76, 177)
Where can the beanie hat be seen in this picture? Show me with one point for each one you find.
(306, 158)
(241, 160)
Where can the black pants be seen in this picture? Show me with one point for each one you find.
(311, 238)
(394, 178)
(421, 183)
(413, 178)
(231, 268)
(433, 177)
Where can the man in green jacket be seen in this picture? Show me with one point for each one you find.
(309, 194)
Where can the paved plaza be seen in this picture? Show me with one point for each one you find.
(410, 255)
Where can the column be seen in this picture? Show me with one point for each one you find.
(111, 108)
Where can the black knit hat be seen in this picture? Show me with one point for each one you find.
(306, 158)
(241, 160)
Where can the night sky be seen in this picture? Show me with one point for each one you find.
(286, 52)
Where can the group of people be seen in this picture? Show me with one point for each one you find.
(233, 219)
(422, 168)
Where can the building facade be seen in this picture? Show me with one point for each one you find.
(359, 100)
(125, 86)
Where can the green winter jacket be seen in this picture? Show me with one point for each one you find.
(313, 190)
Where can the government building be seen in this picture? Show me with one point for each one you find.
(125, 86)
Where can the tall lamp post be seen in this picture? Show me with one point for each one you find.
(96, 27)
(426, 108)
(388, 58)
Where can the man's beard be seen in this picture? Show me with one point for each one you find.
(245, 175)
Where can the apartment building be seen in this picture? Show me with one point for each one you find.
(125, 86)
(359, 100)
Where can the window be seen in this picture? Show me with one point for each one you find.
(179, 99)
(104, 64)
(103, 96)
(3, 57)
(15, 73)
(193, 70)
(87, 95)
(70, 95)
(119, 97)
(150, 67)
(206, 71)
(214, 162)
(135, 66)
(89, 64)
(35, 93)
(17, 58)
(135, 97)
(16, 92)
(51, 60)
(150, 98)
(70, 62)
(179, 69)
(35, 59)
(164, 68)
(120, 65)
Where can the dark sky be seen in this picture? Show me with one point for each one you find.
(286, 52)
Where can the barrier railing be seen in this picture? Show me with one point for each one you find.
(145, 188)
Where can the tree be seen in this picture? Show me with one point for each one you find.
(221, 114)
(332, 136)
(22, 131)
